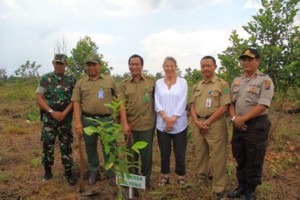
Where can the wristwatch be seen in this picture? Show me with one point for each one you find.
(233, 118)
(50, 110)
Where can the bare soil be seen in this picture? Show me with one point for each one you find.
(21, 172)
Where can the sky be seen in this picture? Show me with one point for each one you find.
(185, 29)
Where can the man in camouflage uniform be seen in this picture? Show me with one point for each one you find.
(138, 114)
(53, 96)
(251, 95)
(210, 102)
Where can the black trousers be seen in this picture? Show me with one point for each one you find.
(249, 149)
(165, 146)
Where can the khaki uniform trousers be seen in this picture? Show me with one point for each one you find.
(212, 153)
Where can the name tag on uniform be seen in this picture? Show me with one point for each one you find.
(208, 102)
(100, 94)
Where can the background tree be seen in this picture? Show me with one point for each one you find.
(275, 35)
(193, 76)
(61, 46)
(83, 48)
(3, 74)
(28, 70)
(158, 75)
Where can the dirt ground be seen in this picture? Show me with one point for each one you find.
(21, 171)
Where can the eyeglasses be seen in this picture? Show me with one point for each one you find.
(91, 64)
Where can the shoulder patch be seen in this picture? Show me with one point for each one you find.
(236, 82)
(226, 90)
(267, 84)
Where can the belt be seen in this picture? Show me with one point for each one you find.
(258, 118)
(96, 116)
(203, 116)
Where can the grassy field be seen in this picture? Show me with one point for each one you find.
(21, 170)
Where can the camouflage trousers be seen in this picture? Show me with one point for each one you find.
(62, 130)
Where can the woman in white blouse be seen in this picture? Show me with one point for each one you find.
(171, 123)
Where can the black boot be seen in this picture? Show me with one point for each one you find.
(48, 174)
(70, 177)
(239, 191)
(250, 191)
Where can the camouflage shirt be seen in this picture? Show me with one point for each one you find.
(57, 90)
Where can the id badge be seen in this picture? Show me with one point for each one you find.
(147, 98)
(101, 94)
(208, 102)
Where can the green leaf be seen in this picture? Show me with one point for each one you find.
(90, 130)
(109, 165)
(139, 145)
(106, 149)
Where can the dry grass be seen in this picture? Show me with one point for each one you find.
(21, 172)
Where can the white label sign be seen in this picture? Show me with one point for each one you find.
(132, 180)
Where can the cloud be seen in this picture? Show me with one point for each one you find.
(138, 7)
(252, 4)
(186, 47)
(99, 38)
(190, 4)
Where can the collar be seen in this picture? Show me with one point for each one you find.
(253, 76)
(132, 80)
(101, 76)
(213, 80)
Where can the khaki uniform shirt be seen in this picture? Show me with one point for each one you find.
(93, 94)
(246, 93)
(139, 102)
(209, 96)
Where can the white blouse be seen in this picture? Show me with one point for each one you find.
(173, 102)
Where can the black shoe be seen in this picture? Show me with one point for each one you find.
(93, 178)
(238, 192)
(70, 177)
(112, 181)
(250, 196)
(218, 195)
(48, 174)
(148, 183)
(71, 180)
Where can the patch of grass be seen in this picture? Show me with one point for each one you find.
(35, 162)
(4, 177)
(265, 190)
(34, 114)
(230, 169)
(283, 133)
(19, 91)
(278, 148)
(13, 129)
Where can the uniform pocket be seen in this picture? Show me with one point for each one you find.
(196, 94)
(129, 95)
(216, 98)
(253, 94)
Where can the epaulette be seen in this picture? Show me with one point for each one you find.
(126, 79)
(148, 76)
(261, 74)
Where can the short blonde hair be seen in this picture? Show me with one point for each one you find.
(170, 58)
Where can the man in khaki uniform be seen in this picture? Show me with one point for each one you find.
(251, 95)
(137, 113)
(210, 101)
(89, 96)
